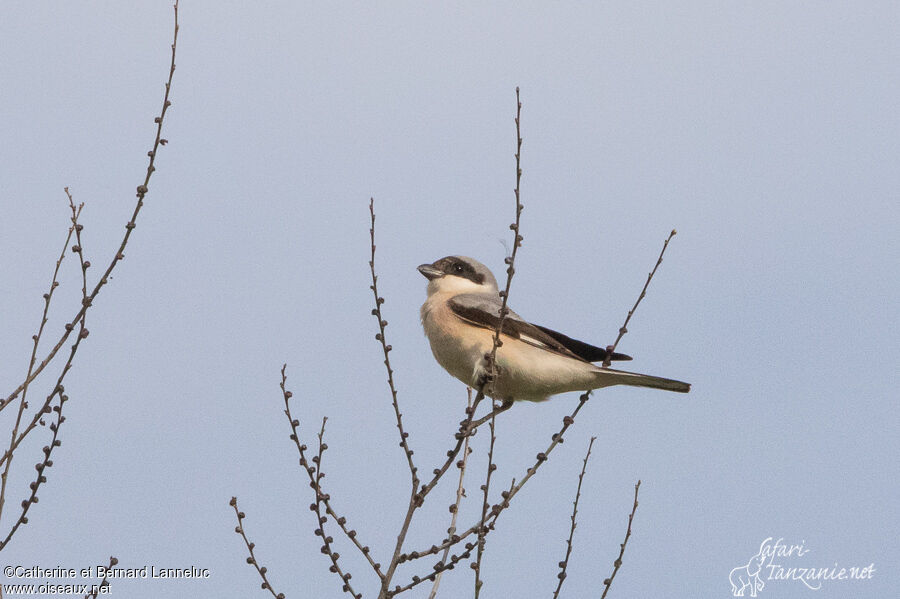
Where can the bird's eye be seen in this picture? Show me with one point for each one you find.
(458, 268)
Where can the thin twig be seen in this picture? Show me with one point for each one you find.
(482, 529)
(317, 483)
(416, 501)
(40, 467)
(517, 243)
(415, 498)
(142, 190)
(513, 490)
(321, 497)
(618, 563)
(447, 561)
(492, 359)
(495, 512)
(454, 507)
(55, 442)
(79, 319)
(36, 338)
(105, 582)
(439, 567)
(17, 438)
(541, 457)
(47, 299)
(624, 328)
(565, 562)
(251, 559)
(498, 408)
(380, 336)
(47, 407)
(466, 430)
(78, 248)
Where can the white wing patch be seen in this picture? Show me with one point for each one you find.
(533, 341)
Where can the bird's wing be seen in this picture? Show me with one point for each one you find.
(585, 351)
(484, 311)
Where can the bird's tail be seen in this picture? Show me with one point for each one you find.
(608, 377)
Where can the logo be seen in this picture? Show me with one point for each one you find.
(776, 561)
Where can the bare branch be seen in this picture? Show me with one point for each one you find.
(454, 507)
(438, 568)
(514, 488)
(517, 243)
(36, 339)
(142, 190)
(87, 299)
(416, 501)
(415, 498)
(624, 328)
(105, 582)
(321, 497)
(492, 360)
(58, 390)
(47, 407)
(251, 559)
(382, 325)
(565, 563)
(485, 488)
(316, 483)
(618, 563)
(466, 429)
(495, 512)
(41, 468)
(498, 408)
(78, 248)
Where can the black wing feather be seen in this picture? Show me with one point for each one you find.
(585, 351)
(533, 334)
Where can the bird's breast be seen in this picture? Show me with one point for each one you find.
(458, 347)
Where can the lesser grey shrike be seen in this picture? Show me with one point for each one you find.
(461, 316)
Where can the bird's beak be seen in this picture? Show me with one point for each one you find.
(430, 272)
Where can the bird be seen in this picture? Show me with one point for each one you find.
(460, 317)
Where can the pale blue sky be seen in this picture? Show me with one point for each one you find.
(767, 133)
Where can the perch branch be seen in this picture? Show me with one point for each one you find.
(517, 243)
(466, 429)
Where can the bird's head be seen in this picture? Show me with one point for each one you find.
(458, 274)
